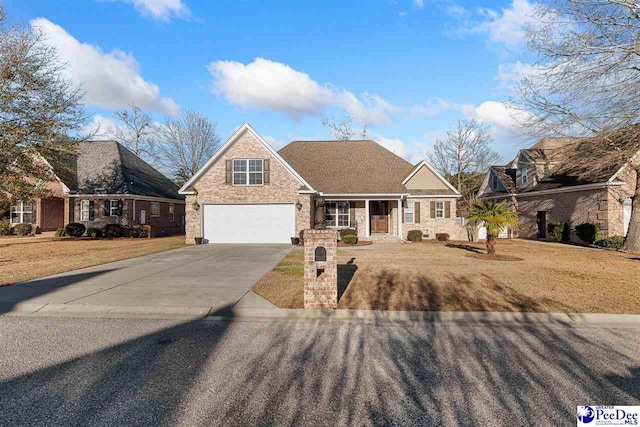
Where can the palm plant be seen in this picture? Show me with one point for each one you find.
(495, 217)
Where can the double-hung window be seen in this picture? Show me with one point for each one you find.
(85, 209)
(337, 214)
(172, 212)
(248, 171)
(409, 212)
(155, 209)
(23, 212)
(524, 175)
(113, 207)
(439, 209)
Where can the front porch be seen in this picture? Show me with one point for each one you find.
(377, 219)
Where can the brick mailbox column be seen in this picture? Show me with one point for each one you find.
(320, 268)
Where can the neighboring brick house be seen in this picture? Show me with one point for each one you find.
(550, 181)
(106, 183)
(250, 193)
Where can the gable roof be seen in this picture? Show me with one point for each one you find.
(107, 167)
(305, 186)
(349, 167)
(425, 164)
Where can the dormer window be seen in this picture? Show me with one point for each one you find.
(524, 175)
(494, 182)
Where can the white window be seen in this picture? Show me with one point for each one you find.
(439, 209)
(494, 182)
(155, 209)
(113, 207)
(409, 212)
(524, 174)
(248, 171)
(23, 212)
(337, 214)
(85, 209)
(172, 212)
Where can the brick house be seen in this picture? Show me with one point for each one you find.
(248, 192)
(550, 181)
(106, 183)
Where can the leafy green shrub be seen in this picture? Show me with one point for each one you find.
(74, 229)
(555, 230)
(613, 242)
(60, 232)
(94, 233)
(350, 239)
(38, 230)
(347, 232)
(137, 231)
(414, 235)
(111, 231)
(23, 229)
(442, 237)
(5, 227)
(588, 232)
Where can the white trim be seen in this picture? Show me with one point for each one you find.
(401, 217)
(229, 143)
(615, 175)
(393, 195)
(435, 172)
(338, 214)
(151, 215)
(434, 196)
(111, 206)
(583, 187)
(413, 212)
(367, 231)
(128, 196)
(88, 211)
(436, 209)
(247, 173)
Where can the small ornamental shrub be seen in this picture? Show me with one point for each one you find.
(137, 231)
(588, 232)
(23, 229)
(60, 232)
(94, 233)
(613, 242)
(74, 229)
(350, 239)
(5, 227)
(111, 231)
(38, 230)
(414, 236)
(555, 231)
(442, 237)
(347, 232)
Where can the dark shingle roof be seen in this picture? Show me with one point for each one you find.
(107, 167)
(348, 167)
(506, 179)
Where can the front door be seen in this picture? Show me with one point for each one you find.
(379, 216)
(542, 224)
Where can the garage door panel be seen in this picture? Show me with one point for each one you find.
(250, 223)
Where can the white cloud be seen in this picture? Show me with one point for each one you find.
(110, 80)
(269, 85)
(497, 114)
(419, 3)
(431, 107)
(161, 10)
(509, 74)
(274, 142)
(412, 154)
(100, 127)
(505, 27)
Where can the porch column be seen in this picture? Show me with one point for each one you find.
(400, 216)
(367, 230)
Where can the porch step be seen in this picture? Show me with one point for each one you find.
(383, 238)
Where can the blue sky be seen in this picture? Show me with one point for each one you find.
(408, 69)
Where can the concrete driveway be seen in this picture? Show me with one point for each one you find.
(188, 280)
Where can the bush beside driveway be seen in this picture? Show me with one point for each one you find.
(438, 276)
(32, 258)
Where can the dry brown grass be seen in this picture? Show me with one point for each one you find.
(30, 258)
(433, 276)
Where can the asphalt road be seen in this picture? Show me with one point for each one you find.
(94, 372)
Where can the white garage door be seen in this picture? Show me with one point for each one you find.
(260, 223)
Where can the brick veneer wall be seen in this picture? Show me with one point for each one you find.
(321, 291)
(211, 187)
(431, 226)
(51, 213)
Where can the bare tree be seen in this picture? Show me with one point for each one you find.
(39, 111)
(136, 131)
(586, 81)
(463, 153)
(186, 143)
(342, 127)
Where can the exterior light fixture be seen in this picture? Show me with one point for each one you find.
(298, 205)
(195, 205)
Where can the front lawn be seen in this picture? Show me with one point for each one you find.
(30, 258)
(436, 277)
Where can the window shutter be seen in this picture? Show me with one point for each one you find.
(447, 209)
(228, 172)
(352, 214)
(91, 207)
(266, 171)
(76, 211)
(416, 210)
(106, 208)
(119, 207)
(432, 209)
